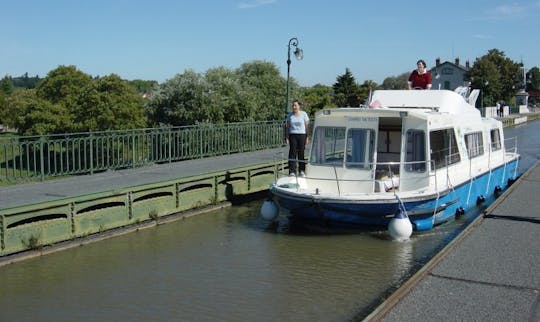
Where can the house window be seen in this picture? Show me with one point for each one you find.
(444, 150)
(495, 140)
(416, 151)
(360, 148)
(475, 144)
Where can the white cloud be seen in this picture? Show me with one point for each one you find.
(509, 11)
(255, 4)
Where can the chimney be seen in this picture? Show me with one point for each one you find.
(467, 64)
(437, 61)
(457, 61)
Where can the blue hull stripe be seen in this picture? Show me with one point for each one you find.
(424, 214)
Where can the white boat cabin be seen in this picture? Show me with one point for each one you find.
(409, 141)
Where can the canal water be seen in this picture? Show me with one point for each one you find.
(227, 265)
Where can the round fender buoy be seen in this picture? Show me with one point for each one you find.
(400, 227)
(269, 210)
(460, 211)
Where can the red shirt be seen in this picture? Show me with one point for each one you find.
(420, 81)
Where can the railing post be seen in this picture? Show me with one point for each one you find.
(170, 144)
(133, 147)
(42, 157)
(91, 136)
(200, 142)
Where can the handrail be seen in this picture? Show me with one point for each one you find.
(28, 158)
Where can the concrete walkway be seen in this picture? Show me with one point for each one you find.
(491, 272)
(31, 193)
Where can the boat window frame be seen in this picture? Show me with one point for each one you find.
(496, 145)
(314, 147)
(449, 158)
(474, 152)
(371, 151)
(415, 167)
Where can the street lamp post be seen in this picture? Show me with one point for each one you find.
(299, 54)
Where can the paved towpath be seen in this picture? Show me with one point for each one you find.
(491, 272)
(31, 193)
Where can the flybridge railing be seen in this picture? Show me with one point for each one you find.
(28, 158)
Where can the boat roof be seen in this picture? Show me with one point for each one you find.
(443, 101)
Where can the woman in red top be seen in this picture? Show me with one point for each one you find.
(420, 78)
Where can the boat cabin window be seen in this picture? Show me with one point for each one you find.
(495, 140)
(360, 148)
(416, 151)
(475, 144)
(443, 147)
(328, 146)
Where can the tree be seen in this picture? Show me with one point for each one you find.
(26, 82)
(264, 90)
(63, 85)
(254, 91)
(32, 115)
(225, 96)
(533, 79)
(346, 91)
(6, 85)
(396, 82)
(143, 86)
(496, 75)
(365, 89)
(108, 103)
(179, 101)
(317, 98)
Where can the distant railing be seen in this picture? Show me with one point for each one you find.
(28, 158)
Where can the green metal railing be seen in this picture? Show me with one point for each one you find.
(30, 158)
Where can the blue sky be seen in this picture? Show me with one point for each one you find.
(158, 39)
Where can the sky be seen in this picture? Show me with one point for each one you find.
(155, 40)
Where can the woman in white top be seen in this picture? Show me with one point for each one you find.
(297, 129)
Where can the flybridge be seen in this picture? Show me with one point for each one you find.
(438, 100)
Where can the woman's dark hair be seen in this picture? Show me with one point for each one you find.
(296, 101)
(421, 61)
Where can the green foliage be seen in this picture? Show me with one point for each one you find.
(143, 86)
(63, 85)
(496, 76)
(33, 115)
(255, 91)
(26, 82)
(69, 100)
(6, 85)
(367, 87)
(108, 103)
(533, 79)
(178, 100)
(346, 91)
(396, 82)
(265, 91)
(317, 98)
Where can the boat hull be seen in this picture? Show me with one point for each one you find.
(424, 213)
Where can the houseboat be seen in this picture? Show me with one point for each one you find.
(426, 152)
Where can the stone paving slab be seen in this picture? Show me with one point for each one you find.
(525, 199)
(500, 251)
(31, 193)
(441, 299)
